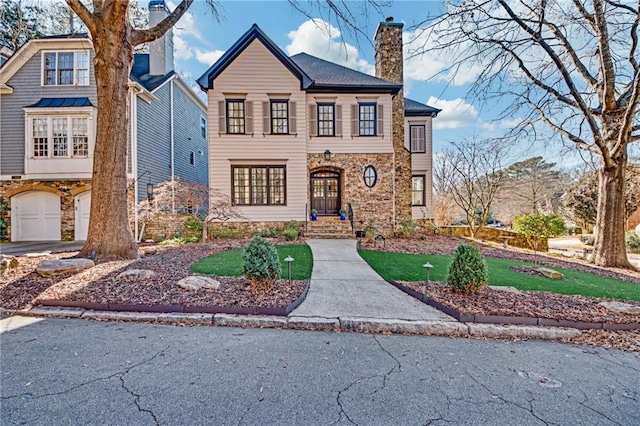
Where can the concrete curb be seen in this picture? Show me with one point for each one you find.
(366, 325)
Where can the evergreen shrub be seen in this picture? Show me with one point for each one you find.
(261, 263)
(468, 270)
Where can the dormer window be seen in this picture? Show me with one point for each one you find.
(65, 68)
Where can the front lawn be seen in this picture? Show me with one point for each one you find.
(408, 267)
(229, 263)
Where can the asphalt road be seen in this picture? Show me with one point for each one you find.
(77, 372)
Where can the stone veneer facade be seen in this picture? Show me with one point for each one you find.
(65, 189)
(369, 204)
(389, 66)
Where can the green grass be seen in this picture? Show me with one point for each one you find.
(229, 263)
(408, 267)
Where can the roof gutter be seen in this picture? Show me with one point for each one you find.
(143, 93)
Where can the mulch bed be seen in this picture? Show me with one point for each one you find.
(22, 287)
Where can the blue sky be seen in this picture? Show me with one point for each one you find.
(200, 40)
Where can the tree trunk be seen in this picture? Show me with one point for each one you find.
(609, 247)
(109, 231)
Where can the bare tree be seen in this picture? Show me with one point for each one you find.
(471, 173)
(18, 23)
(176, 198)
(571, 65)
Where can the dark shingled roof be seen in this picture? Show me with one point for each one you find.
(140, 73)
(415, 109)
(61, 102)
(328, 75)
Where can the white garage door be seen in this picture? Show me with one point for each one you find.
(35, 216)
(83, 208)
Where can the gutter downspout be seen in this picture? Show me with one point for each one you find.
(134, 158)
(171, 127)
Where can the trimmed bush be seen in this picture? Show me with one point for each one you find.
(468, 271)
(633, 242)
(408, 228)
(292, 231)
(192, 227)
(261, 263)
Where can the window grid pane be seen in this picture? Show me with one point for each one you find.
(40, 140)
(80, 137)
(82, 67)
(326, 120)
(65, 68)
(417, 198)
(241, 185)
(367, 120)
(49, 68)
(258, 185)
(59, 133)
(279, 117)
(276, 186)
(235, 117)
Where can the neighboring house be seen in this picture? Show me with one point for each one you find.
(291, 134)
(5, 53)
(48, 110)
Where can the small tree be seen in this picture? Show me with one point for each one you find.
(261, 264)
(468, 272)
(537, 227)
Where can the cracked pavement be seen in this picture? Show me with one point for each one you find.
(68, 372)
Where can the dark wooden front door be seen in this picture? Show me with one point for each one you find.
(325, 192)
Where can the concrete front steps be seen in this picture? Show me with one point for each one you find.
(329, 227)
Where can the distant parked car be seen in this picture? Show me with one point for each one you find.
(496, 224)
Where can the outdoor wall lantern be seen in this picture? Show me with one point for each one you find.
(150, 191)
(327, 155)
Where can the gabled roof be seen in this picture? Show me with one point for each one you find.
(328, 76)
(254, 33)
(61, 103)
(140, 73)
(417, 109)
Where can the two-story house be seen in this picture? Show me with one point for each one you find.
(288, 134)
(48, 109)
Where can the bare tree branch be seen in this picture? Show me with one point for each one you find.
(84, 14)
(150, 34)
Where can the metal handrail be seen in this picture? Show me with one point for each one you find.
(350, 215)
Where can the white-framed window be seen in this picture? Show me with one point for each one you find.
(58, 136)
(203, 127)
(65, 68)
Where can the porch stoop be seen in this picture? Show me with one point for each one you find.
(329, 227)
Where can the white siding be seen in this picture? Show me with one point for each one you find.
(274, 81)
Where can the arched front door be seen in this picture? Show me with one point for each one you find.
(325, 192)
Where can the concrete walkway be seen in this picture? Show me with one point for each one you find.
(344, 285)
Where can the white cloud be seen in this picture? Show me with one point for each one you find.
(319, 38)
(180, 49)
(207, 57)
(456, 113)
(510, 124)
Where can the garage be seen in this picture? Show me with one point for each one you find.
(35, 216)
(83, 208)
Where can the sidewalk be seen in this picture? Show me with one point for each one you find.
(344, 285)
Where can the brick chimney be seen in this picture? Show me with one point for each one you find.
(160, 50)
(389, 66)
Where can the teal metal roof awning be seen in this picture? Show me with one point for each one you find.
(61, 103)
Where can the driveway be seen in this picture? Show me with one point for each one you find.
(24, 247)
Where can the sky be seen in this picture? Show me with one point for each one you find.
(200, 40)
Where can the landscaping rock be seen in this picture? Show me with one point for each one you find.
(148, 251)
(504, 288)
(51, 268)
(624, 308)
(550, 273)
(137, 274)
(196, 282)
(7, 262)
(40, 254)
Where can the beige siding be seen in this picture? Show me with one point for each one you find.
(239, 80)
(346, 144)
(421, 164)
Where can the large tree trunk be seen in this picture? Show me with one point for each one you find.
(609, 247)
(109, 231)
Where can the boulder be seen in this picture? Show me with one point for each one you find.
(550, 273)
(7, 262)
(136, 274)
(51, 268)
(39, 254)
(196, 282)
(508, 289)
(621, 307)
(148, 251)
